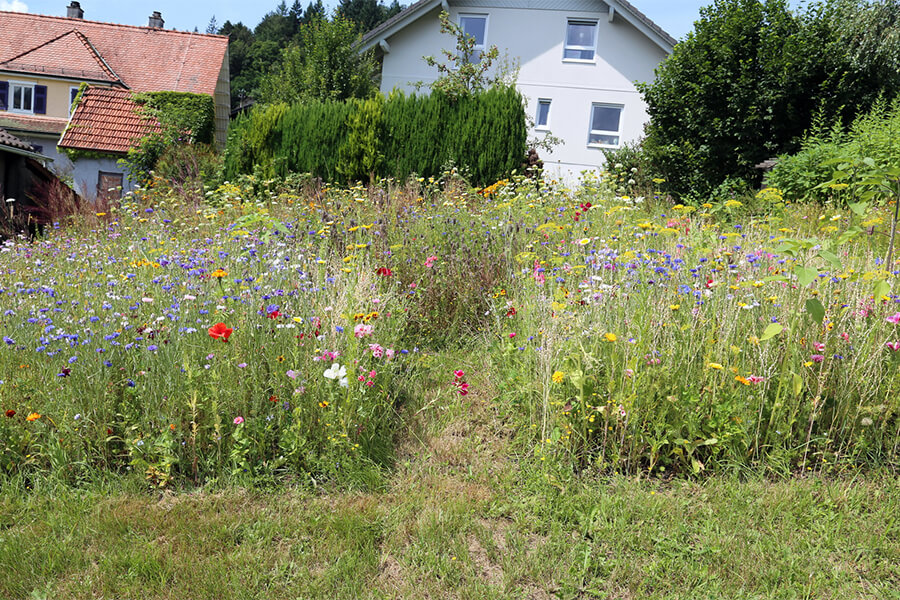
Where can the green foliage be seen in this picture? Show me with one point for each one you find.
(747, 82)
(834, 162)
(367, 14)
(339, 141)
(463, 72)
(256, 55)
(322, 64)
(359, 156)
(184, 118)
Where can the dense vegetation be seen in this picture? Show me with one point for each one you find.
(256, 53)
(753, 76)
(483, 135)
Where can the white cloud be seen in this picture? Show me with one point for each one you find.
(13, 5)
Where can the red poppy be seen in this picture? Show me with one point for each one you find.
(511, 312)
(220, 331)
(384, 272)
(10, 413)
(274, 314)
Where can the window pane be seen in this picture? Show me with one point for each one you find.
(26, 104)
(581, 34)
(579, 54)
(603, 139)
(606, 118)
(543, 113)
(17, 97)
(475, 27)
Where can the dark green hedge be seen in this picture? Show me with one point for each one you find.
(396, 136)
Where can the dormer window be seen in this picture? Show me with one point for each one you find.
(581, 40)
(475, 26)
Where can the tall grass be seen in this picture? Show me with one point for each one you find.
(624, 335)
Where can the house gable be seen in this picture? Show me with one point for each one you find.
(615, 9)
(69, 55)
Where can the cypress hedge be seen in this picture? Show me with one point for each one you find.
(397, 136)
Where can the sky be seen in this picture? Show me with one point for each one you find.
(675, 16)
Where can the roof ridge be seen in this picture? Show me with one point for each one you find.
(97, 56)
(145, 27)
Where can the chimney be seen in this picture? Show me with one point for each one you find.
(156, 20)
(73, 11)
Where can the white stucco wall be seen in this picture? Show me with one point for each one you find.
(536, 37)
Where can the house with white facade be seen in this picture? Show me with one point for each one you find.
(578, 63)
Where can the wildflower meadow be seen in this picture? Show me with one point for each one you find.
(289, 335)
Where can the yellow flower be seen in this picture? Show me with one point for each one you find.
(742, 379)
(610, 337)
(715, 366)
(558, 377)
(674, 306)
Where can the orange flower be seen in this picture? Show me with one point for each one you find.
(220, 331)
(219, 273)
(33, 417)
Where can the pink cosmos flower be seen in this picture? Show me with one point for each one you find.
(429, 262)
(459, 374)
(893, 346)
(238, 420)
(819, 346)
(377, 350)
(755, 379)
(894, 318)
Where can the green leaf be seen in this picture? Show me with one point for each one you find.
(771, 331)
(797, 384)
(859, 208)
(848, 235)
(815, 310)
(831, 258)
(882, 288)
(805, 275)
(711, 442)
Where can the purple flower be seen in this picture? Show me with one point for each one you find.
(817, 358)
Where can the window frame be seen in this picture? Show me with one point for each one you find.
(592, 131)
(12, 97)
(478, 50)
(538, 126)
(566, 46)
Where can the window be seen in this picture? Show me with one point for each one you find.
(606, 121)
(581, 40)
(542, 119)
(73, 92)
(475, 26)
(22, 97)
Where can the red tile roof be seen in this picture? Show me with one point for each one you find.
(106, 120)
(146, 59)
(32, 123)
(70, 55)
(7, 139)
